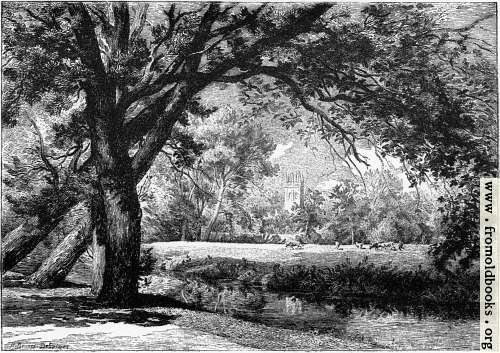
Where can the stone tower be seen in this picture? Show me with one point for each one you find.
(294, 190)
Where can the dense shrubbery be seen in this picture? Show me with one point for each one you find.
(147, 261)
(344, 280)
(367, 280)
(245, 237)
(212, 270)
(459, 227)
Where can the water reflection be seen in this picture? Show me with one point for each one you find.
(410, 326)
(383, 324)
(293, 305)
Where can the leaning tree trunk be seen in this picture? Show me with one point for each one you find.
(21, 241)
(61, 260)
(213, 219)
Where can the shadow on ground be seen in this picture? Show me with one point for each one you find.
(75, 307)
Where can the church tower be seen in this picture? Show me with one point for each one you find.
(294, 190)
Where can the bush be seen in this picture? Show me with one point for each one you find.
(172, 219)
(245, 237)
(366, 280)
(347, 281)
(147, 261)
(212, 270)
(280, 223)
(398, 226)
(460, 229)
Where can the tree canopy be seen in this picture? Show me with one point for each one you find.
(390, 75)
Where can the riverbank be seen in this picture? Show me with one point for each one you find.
(259, 296)
(68, 318)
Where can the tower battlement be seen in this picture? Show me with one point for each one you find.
(294, 189)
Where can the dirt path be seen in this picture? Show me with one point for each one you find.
(67, 318)
(112, 336)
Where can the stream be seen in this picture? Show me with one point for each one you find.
(398, 326)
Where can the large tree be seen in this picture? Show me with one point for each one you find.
(136, 87)
(391, 75)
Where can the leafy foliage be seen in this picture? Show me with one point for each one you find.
(147, 261)
(391, 75)
(366, 280)
(459, 227)
(378, 211)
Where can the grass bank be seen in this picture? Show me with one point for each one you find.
(345, 280)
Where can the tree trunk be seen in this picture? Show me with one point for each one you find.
(352, 231)
(308, 227)
(122, 241)
(98, 262)
(183, 230)
(61, 260)
(98, 241)
(21, 241)
(213, 219)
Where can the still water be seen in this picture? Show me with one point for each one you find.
(388, 325)
(392, 328)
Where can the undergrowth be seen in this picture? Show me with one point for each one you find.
(345, 280)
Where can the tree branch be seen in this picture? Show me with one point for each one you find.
(182, 172)
(472, 24)
(139, 21)
(43, 155)
(122, 26)
(347, 136)
(88, 47)
(157, 136)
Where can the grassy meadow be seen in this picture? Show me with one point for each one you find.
(410, 258)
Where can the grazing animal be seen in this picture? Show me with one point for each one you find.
(434, 246)
(359, 245)
(375, 246)
(387, 245)
(293, 245)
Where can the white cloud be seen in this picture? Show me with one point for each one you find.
(280, 150)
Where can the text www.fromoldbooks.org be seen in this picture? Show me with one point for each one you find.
(489, 269)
